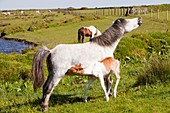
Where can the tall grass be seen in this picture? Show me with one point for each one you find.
(157, 71)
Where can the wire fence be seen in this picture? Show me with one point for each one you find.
(151, 13)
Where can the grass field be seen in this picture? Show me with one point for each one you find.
(135, 51)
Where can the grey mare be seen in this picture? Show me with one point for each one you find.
(64, 56)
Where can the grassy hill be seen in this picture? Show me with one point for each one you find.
(144, 54)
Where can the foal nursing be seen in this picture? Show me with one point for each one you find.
(62, 57)
(101, 70)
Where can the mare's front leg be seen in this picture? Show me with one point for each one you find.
(109, 82)
(101, 78)
(91, 79)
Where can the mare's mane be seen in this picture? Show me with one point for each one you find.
(109, 36)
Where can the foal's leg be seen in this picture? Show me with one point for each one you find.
(103, 87)
(117, 82)
(91, 79)
(116, 70)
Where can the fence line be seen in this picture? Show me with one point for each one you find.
(124, 11)
(167, 15)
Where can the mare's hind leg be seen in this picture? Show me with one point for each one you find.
(50, 84)
(48, 89)
(91, 79)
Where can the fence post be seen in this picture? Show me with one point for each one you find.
(108, 11)
(167, 14)
(103, 11)
(115, 11)
(151, 13)
(112, 11)
(145, 13)
(122, 11)
(158, 14)
(139, 12)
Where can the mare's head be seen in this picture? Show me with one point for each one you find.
(128, 24)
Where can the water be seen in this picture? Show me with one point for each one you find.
(9, 46)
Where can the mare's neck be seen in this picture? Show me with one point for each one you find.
(114, 44)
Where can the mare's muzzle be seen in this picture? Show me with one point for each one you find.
(140, 21)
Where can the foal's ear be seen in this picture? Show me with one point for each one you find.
(79, 65)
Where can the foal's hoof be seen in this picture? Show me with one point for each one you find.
(85, 100)
(110, 94)
(107, 99)
(44, 107)
(114, 95)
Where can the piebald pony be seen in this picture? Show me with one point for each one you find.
(90, 31)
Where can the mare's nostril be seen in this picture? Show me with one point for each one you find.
(140, 18)
(139, 21)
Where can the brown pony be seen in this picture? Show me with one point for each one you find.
(90, 31)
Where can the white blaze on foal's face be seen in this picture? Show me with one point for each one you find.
(132, 24)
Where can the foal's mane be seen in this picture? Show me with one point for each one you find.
(109, 36)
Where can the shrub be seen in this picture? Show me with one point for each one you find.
(155, 42)
(83, 8)
(15, 66)
(36, 25)
(13, 29)
(157, 72)
(89, 17)
(133, 48)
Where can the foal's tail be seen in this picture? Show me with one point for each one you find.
(37, 67)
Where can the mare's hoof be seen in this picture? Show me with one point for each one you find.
(45, 109)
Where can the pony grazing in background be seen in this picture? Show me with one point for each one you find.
(90, 31)
(62, 57)
(101, 70)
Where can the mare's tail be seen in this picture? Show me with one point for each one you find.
(37, 67)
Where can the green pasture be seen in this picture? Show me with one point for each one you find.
(144, 54)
